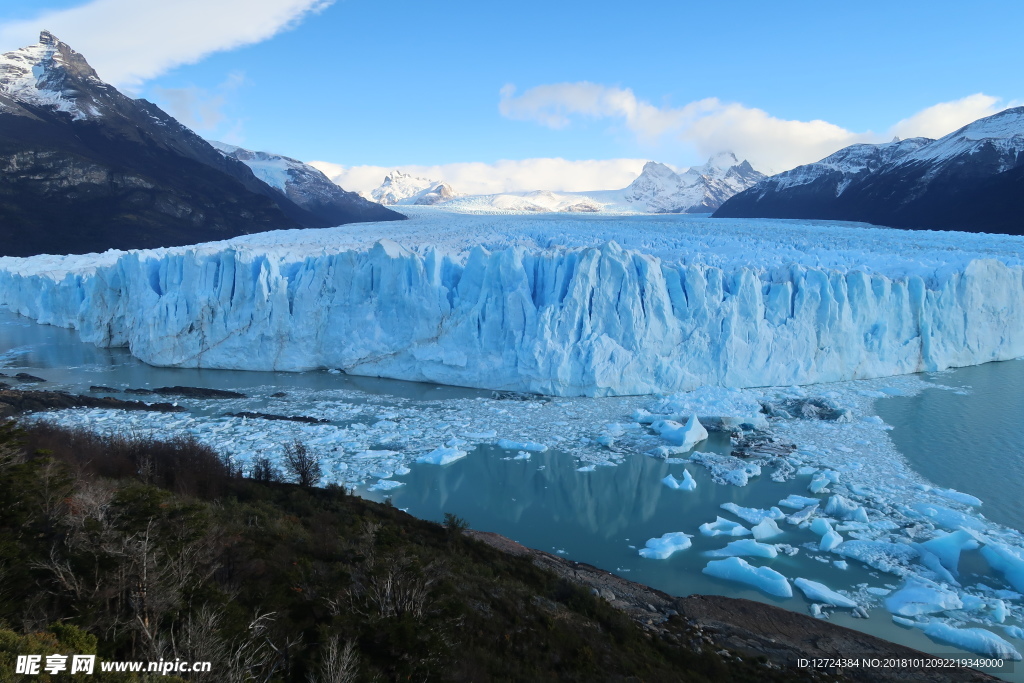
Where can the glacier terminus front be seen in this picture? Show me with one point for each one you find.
(587, 306)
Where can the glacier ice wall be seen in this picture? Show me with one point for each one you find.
(591, 321)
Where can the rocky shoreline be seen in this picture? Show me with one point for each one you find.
(745, 628)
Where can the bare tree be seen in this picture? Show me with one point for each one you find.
(338, 663)
(303, 464)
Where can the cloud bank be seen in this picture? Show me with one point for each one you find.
(558, 175)
(710, 126)
(131, 41)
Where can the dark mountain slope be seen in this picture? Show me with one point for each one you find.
(970, 180)
(84, 168)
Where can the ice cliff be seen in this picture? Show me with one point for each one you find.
(535, 314)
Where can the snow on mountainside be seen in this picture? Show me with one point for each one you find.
(582, 305)
(658, 189)
(84, 168)
(40, 75)
(971, 180)
(402, 188)
(303, 184)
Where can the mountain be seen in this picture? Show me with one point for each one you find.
(402, 188)
(84, 168)
(658, 189)
(970, 180)
(307, 187)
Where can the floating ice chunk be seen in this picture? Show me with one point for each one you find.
(841, 507)
(819, 482)
(819, 592)
(687, 483)
(1014, 632)
(958, 496)
(586, 468)
(385, 485)
(918, 596)
(789, 550)
(798, 502)
(841, 564)
(522, 455)
(1006, 561)
(947, 548)
(798, 518)
(686, 436)
(762, 578)
(441, 456)
(510, 445)
(804, 470)
(753, 515)
(745, 547)
(891, 558)
(830, 539)
(978, 640)
(662, 547)
(723, 527)
(950, 519)
(999, 611)
(765, 529)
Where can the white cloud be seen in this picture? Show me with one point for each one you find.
(945, 117)
(502, 176)
(131, 41)
(710, 126)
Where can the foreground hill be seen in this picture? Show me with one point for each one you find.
(970, 180)
(84, 168)
(277, 582)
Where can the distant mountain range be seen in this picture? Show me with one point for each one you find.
(402, 188)
(970, 180)
(84, 168)
(658, 189)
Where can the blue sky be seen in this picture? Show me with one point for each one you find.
(420, 84)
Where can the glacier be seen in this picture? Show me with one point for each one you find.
(592, 306)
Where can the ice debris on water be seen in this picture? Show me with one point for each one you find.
(762, 578)
(662, 547)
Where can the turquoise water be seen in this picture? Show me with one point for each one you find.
(969, 437)
(967, 440)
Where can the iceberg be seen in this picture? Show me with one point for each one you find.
(723, 527)
(441, 456)
(753, 515)
(684, 436)
(765, 529)
(745, 547)
(919, 596)
(662, 547)
(977, 640)
(762, 578)
(687, 483)
(524, 304)
(819, 592)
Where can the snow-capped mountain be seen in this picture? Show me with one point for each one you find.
(85, 168)
(971, 180)
(700, 189)
(305, 185)
(658, 189)
(402, 188)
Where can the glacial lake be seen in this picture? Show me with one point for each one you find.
(967, 437)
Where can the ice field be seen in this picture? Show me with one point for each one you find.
(592, 306)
